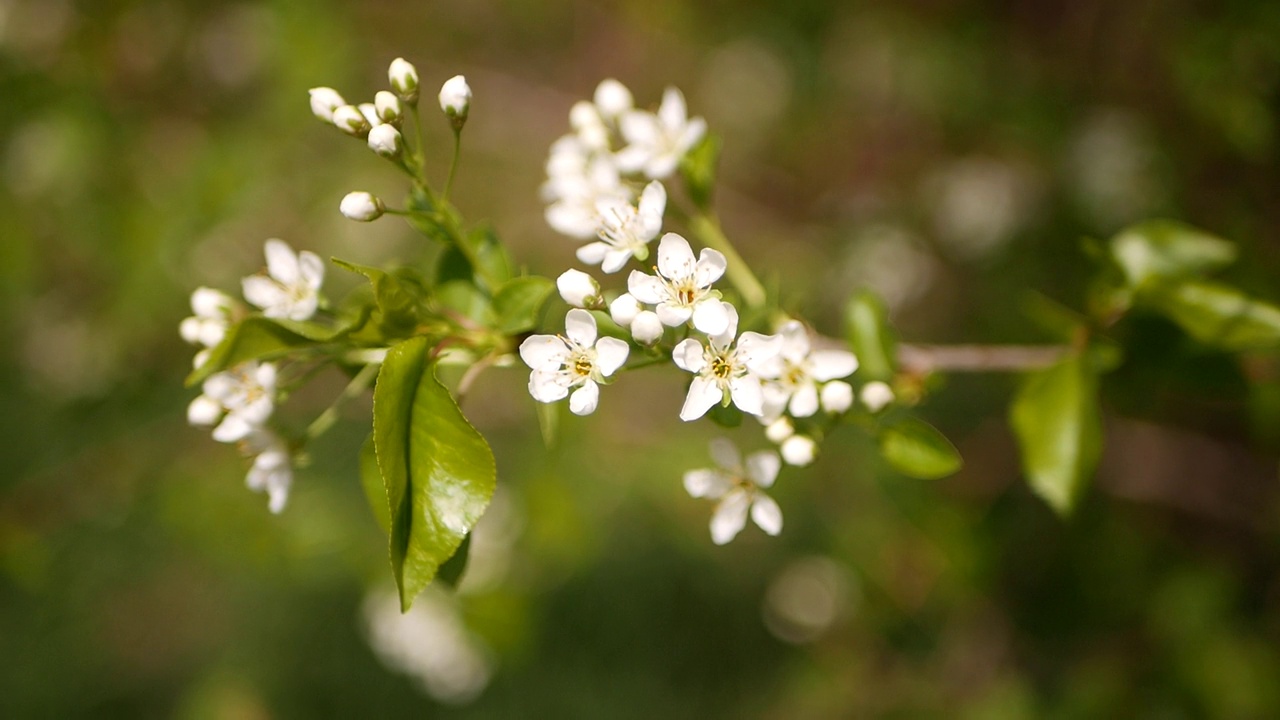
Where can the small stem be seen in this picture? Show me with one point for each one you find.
(707, 228)
(358, 385)
(647, 362)
(979, 358)
(453, 165)
(420, 151)
(469, 377)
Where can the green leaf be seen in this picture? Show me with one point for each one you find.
(488, 257)
(374, 489)
(429, 218)
(1059, 427)
(439, 473)
(1218, 315)
(453, 568)
(916, 448)
(466, 299)
(1168, 250)
(399, 296)
(518, 305)
(869, 334)
(254, 338)
(698, 168)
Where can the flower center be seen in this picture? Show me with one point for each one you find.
(721, 368)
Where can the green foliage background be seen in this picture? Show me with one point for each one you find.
(150, 147)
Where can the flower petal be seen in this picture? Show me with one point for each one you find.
(766, 514)
(762, 467)
(615, 260)
(757, 352)
(311, 268)
(710, 317)
(672, 112)
(687, 355)
(726, 454)
(706, 483)
(804, 401)
(646, 288)
(729, 517)
(675, 257)
(580, 327)
(747, 394)
(703, 395)
(263, 292)
(548, 386)
(584, 399)
(232, 428)
(673, 315)
(653, 201)
(544, 352)
(593, 253)
(610, 354)
(282, 262)
(795, 341)
(711, 266)
(832, 364)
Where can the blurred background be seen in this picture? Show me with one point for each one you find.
(949, 155)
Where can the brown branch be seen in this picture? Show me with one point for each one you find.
(978, 358)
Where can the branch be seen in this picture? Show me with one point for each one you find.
(922, 359)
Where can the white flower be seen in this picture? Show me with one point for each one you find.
(725, 369)
(876, 395)
(351, 121)
(324, 101)
(588, 126)
(403, 77)
(291, 288)
(455, 97)
(385, 141)
(779, 430)
(800, 370)
(799, 450)
(739, 488)
(578, 288)
(612, 99)
(247, 392)
(657, 142)
(361, 207)
(388, 107)
(625, 230)
(204, 411)
(272, 468)
(682, 288)
(370, 113)
(836, 396)
(578, 180)
(575, 360)
(208, 326)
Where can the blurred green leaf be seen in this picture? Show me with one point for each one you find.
(464, 298)
(548, 422)
(254, 338)
(375, 491)
(726, 416)
(1056, 419)
(698, 168)
(439, 473)
(1218, 315)
(518, 305)
(1167, 250)
(399, 296)
(916, 448)
(873, 341)
(488, 256)
(453, 568)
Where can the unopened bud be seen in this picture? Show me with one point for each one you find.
(624, 309)
(207, 302)
(798, 450)
(779, 430)
(324, 101)
(837, 396)
(403, 77)
(370, 113)
(388, 107)
(204, 411)
(385, 140)
(351, 121)
(612, 98)
(646, 328)
(362, 206)
(876, 395)
(455, 100)
(578, 288)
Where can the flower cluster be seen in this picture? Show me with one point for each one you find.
(238, 402)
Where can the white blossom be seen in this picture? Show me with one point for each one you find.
(403, 77)
(385, 140)
(388, 107)
(575, 360)
(272, 468)
(624, 309)
(208, 326)
(578, 288)
(204, 411)
(682, 288)
(801, 368)
(247, 393)
(588, 126)
(656, 143)
(291, 287)
(361, 207)
(836, 396)
(324, 101)
(876, 395)
(739, 488)
(779, 430)
(646, 328)
(370, 113)
(625, 230)
(351, 121)
(798, 450)
(725, 369)
(612, 99)
(455, 97)
(578, 180)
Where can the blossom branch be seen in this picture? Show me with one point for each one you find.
(707, 229)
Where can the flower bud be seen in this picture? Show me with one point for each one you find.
(385, 141)
(876, 395)
(837, 396)
(207, 302)
(204, 411)
(388, 107)
(324, 101)
(779, 430)
(612, 98)
(455, 100)
(646, 328)
(370, 113)
(362, 206)
(587, 124)
(403, 77)
(201, 358)
(578, 288)
(351, 121)
(624, 309)
(189, 329)
(798, 450)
